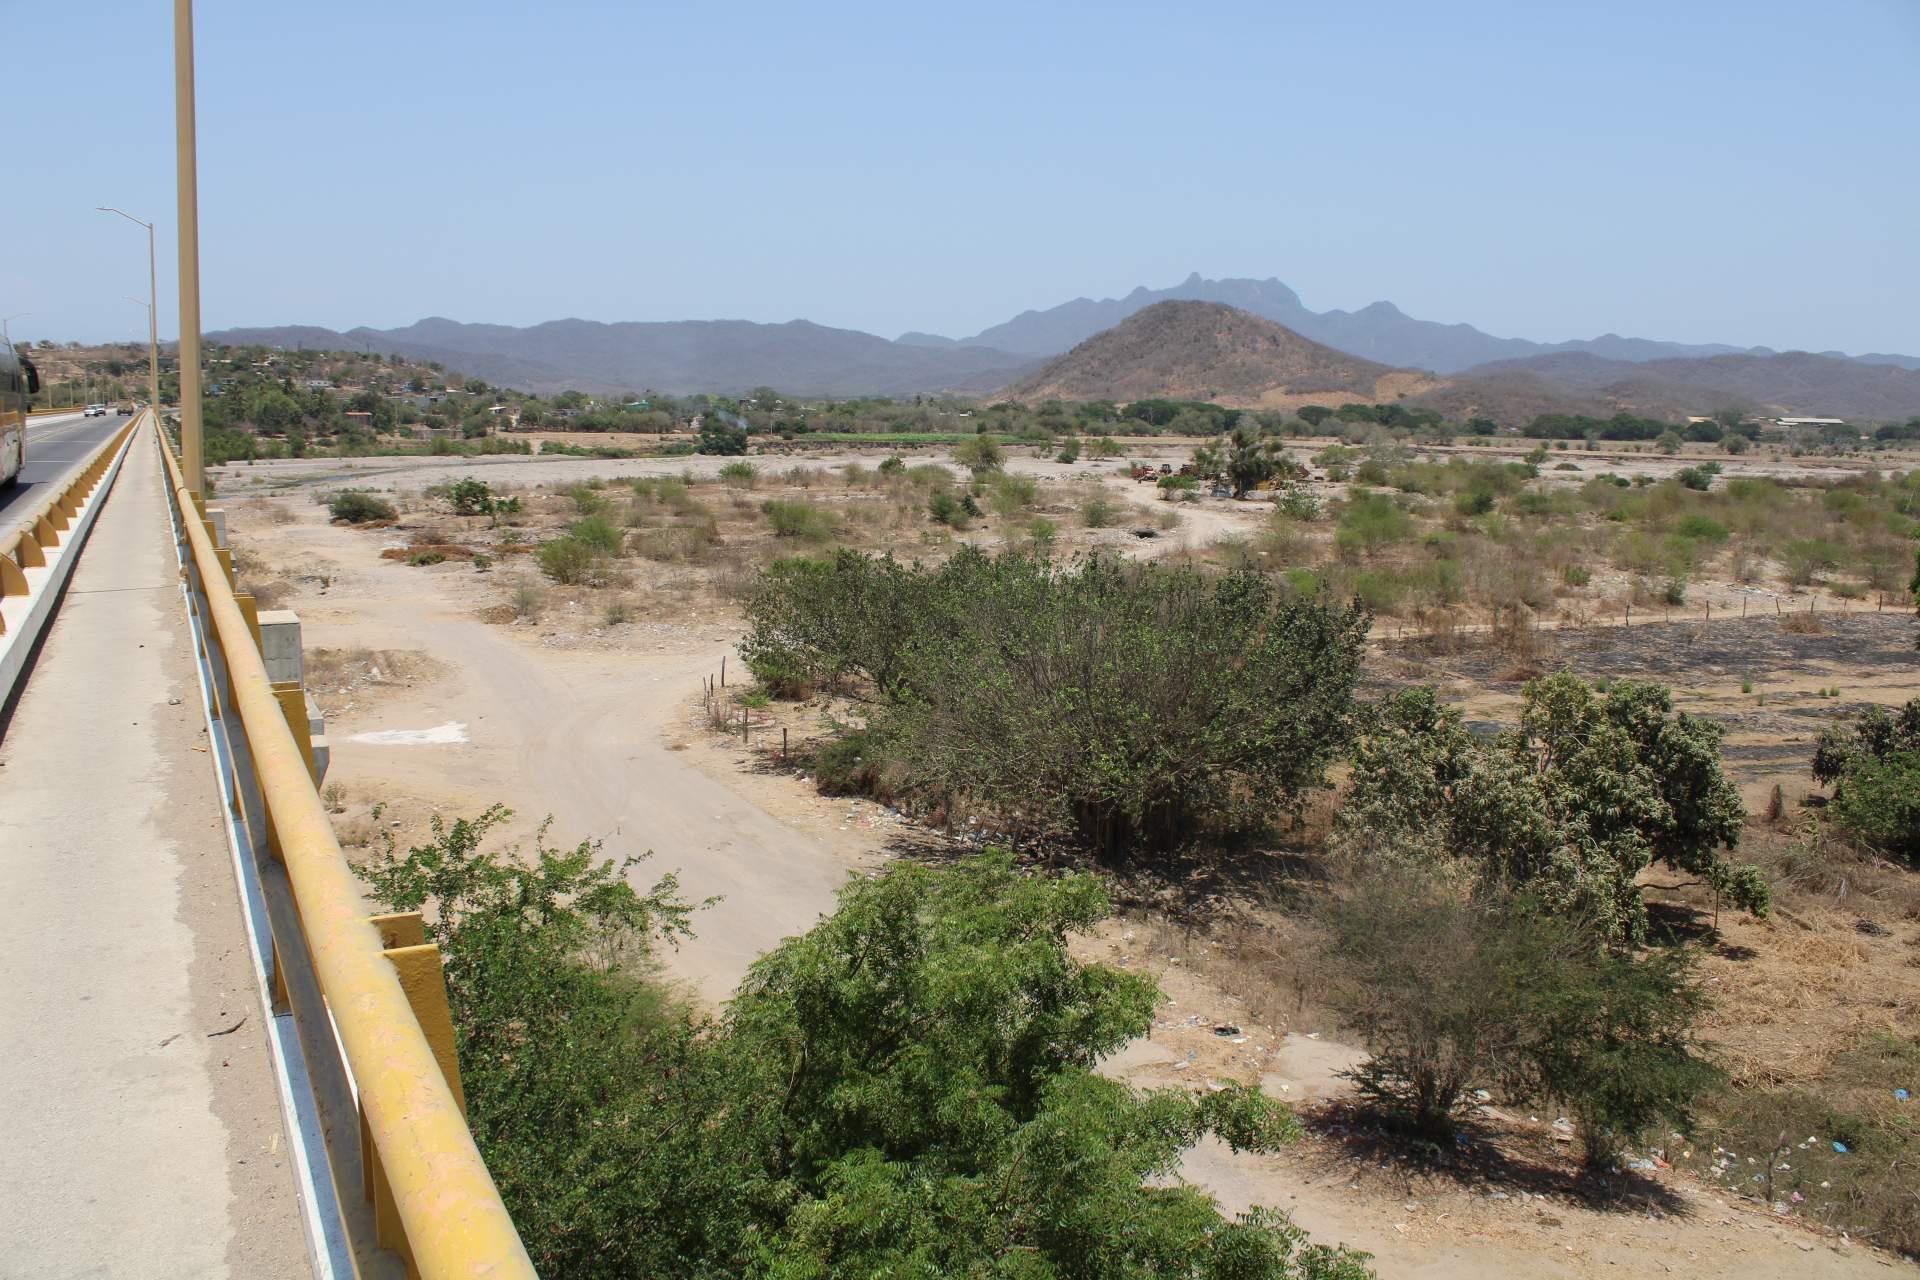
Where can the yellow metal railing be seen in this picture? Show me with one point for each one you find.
(46, 528)
(423, 1165)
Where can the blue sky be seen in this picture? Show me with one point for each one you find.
(1701, 171)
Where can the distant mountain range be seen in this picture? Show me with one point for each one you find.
(1379, 331)
(728, 357)
(734, 356)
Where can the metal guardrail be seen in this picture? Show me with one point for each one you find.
(410, 1154)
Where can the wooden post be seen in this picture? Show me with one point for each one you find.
(723, 671)
(783, 744)
(746, 725)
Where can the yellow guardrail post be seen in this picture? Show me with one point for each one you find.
(450, 1219)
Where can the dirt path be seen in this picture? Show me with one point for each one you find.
(580, 736)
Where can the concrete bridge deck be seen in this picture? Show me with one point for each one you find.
(142, 1133)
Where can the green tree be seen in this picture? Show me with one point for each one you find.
(980, 453)
(1571, 806)
(1873, 766)
(720, 437)
(905, 1090)
(1250, 459)
(1124, 704)
(470, 497)
(1454, 988)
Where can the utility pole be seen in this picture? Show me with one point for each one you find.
(187, 181)
(153, 313)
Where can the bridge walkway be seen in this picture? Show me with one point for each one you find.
(142, 1133)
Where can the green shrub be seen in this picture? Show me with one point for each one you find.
(1069, 451)
(1379, 589)
(980, 453)
(357, 506)
(1701, 528)
(799, 520)
(566, 560)
(738, 475)
(1009, 495)
(782, 676)
(426, 558)
(1099, 512)
(1473, 502)
(949, 510)
(893, 466)
(854, 764)
(598, 533)
(1696, 478)
(1371, 521)
(588, 499)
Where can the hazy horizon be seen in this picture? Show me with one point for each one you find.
(1733, 173)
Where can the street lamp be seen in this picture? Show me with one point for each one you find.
(187, 192)
(153, 319)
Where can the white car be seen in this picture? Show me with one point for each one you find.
(96, 411)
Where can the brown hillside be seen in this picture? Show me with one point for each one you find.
(1515, 396)
(1209, 351)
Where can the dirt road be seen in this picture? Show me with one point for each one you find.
(579, 736)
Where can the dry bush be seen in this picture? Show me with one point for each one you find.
(1514, 634)
(1803, 624)
(445, 550)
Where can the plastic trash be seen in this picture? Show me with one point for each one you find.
(1840, 1148)
(1226, 1029)
(1901, 1095)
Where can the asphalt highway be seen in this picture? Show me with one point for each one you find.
(56, 447)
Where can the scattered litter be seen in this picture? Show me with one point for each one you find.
(1226, 1029)
(1840, 1148)
(1901, 1095)
(229, 1030)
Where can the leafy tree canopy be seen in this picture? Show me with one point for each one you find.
(1572, 805)
(905, 1090)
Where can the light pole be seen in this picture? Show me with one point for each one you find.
(187, 183)
(153, 319)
